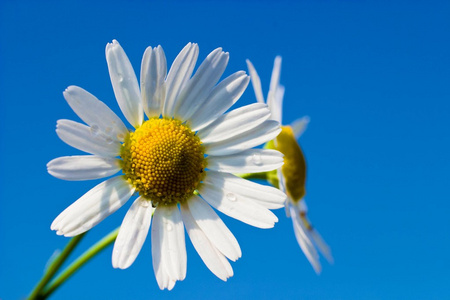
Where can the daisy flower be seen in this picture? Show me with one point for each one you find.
(178, 161)
(291, 177)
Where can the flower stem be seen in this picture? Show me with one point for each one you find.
(54, 266)
(79, 262)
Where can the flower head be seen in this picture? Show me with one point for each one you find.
(178, 160)
(291, 177)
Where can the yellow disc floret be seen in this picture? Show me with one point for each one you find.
(164, 160)
(294, 168)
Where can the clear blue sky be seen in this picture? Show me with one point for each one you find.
(374, 76)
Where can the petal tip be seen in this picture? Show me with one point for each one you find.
(112, 45)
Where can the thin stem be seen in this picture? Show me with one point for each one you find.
(79, 262)
(54, 266)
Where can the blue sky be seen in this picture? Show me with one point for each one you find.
(374, 77)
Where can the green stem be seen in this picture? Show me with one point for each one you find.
(79, 262)
(54, 266)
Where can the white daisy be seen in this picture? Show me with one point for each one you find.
(291, 176)
(179, 160)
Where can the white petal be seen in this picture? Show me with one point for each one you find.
(281, 181)
(159, 265)
(248, 161)
(169, 229)
(213, 227)
(266, 196)
(322, 245)
(200, 85)
(304, 240)
(303, 236)
(235, 122)
(179, 74)
(274, 81)
(277, 105)
(235, 205)
(221, 98)
(299, 126)
(94, 112)
(314, 235)
(171, 284)
(307, 249)
(262, 195)
(249, 139)
(153, 87)
(124, 83)
(82, 167)
(93, 207)
(213, 259)
(86, 139)
(132, 233)
(282, 187)
(256, 82)
(302, 207)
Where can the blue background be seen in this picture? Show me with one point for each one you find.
(374, 76)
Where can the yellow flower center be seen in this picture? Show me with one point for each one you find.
(164, 160)
(294, 168)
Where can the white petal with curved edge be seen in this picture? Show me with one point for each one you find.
(221, 98)
(213, 227)
(266, 196)
(247, 161)
(153, 86)
(159, 266)
(125, 84)
(309, 252)
(85, 139)
(274, 81)
(213, 259)
(169, 228)
(94, 206)
(256, 82)
(322, 245)
(299, 126)
(83, 167)
(235, 122)
(267, 131)
(160, 269)
(276, 71)
(95, 113)
(179, 73)
(282, 187)
(304, 240)
(235, 205)
(282, 183)
(132, 233)
(316, 238)
(200, 85)
(277, 105)
(303, 235)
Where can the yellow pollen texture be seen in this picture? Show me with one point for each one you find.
(164, 160)
(294, 168)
